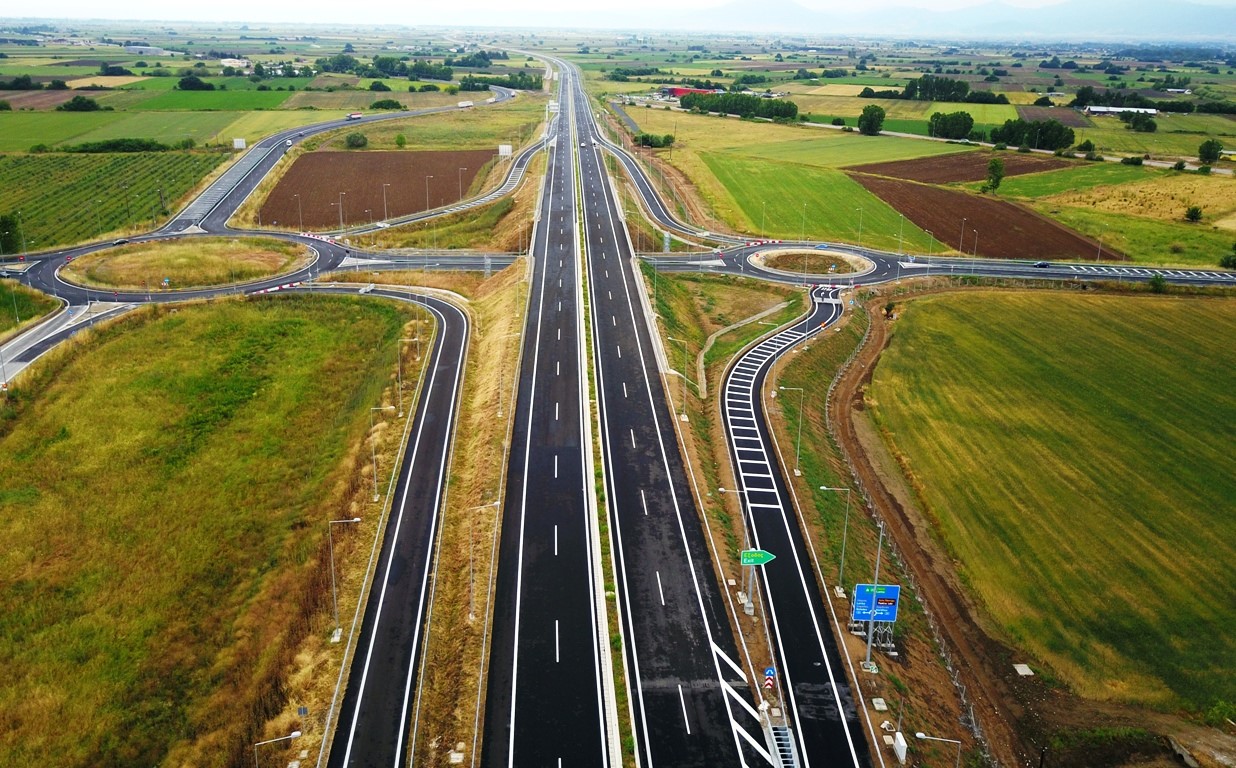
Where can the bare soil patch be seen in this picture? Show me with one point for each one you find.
(994, 228)
(1071, 118)
(324, 179)
(964, 166)
(36, 99)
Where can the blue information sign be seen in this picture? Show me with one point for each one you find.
(887, 597)
(770, 672)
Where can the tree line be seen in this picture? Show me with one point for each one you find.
(934, 88)
(741, 104)
(520, 81)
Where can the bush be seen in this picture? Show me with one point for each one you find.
(386, 104)
(1086, 146)
(1204, 170)
(194, 83)
(401, 141)
(5, 106)
(1179, 166)
(356, 141)
(838, 121)
(1210, 151)
(1023, 149)
(1228, 261)
(1001, 146)
(378, 85)
(426, 88)
(1094, 157)
(79, 104)
(1131, 161)
(1158, 284)
(1193, 213)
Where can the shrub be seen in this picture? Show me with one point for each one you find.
(356, 141)
(1228, 261)
(1023, 149)
(401, 141)
(1131, 161)
(1158, 284)
(386, 104)
(1093, 156)
(5, 106)
(1001, 145)
(838, 121)
(1193, 213)
(1204, 170)
(378, 85)
(1086, 146)
(1179, 166)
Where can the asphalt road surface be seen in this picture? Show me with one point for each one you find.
(548, 688)
(812, 674)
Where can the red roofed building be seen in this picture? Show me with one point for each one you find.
(676, 92)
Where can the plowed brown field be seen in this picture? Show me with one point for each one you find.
(319, 178)
(966, 166)
(1002, 230)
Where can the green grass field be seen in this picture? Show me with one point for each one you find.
(777, 192)
(19, 131)
(1076, 454)
(835, 149)
(163, 510)
(1177, 136)
(229, 100)
(1074, 179)
(1148, 241)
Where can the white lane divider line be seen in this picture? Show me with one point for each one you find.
(558, 368)
(660, 591)
(557, 656)
(632, 438)
(643, 500)
(559, 334)
(613, 320)
(685, 720)
(619, 350)
(555, 477)
(555, 411)
(624, 389)
(555, 540)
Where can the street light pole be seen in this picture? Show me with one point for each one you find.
(683, 375)
(300, 214)
(875, 590)
(860, 226)
(292, 735)
(334, 595)
(373, 447)
(900, 235)
(845, 532)
(922, 735)
(461, 170)
(427, 178)
(962, 242)
(471, 566)
(798, 452)
(385, 213)
(342, 230)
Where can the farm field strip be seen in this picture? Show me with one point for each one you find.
(68, 198)
(1086, 492)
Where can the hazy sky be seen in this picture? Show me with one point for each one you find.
(640, 13)
(460, 11)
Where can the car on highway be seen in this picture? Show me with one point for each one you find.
(823, 246)
(67, 259)
(1042, 264)
(287, 143)
(120, 241)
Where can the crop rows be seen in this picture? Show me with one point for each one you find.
(67, 198)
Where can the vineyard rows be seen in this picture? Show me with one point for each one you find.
(67, 199)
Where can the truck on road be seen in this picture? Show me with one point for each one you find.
(356, 116)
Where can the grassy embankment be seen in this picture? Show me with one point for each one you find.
(756, 173)
(188, 263)
(20, 306)
(170, 478)
(1083, 480)
(1138, 211)
(691, 307)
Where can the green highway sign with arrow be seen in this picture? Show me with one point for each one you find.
(756, 557)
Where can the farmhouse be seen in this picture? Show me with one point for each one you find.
(147, 50)
(676, 92)
(1092, 110)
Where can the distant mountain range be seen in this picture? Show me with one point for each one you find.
(1092, 20)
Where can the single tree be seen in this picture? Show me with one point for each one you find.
(1158, 284)
(871, 121)
(995, 174)
(401, 141)
(355, 140)
(1209, 151)
(1193, 213)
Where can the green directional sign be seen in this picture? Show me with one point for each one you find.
(756, 557)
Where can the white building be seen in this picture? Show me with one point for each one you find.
(1118, 110)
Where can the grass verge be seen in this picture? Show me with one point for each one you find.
(26, 304)
(171, 478)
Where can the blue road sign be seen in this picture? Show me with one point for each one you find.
(770, 672)
(887, 597)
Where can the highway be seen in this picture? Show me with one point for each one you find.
(380, 704)
(812, 673)
(549, 683)
(691, 701)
